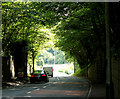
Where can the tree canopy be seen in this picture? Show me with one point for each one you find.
(21, 24)
(78, 27)
(24, 31)
(82, 32)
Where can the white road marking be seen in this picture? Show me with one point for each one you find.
(27, 96)
(28, 92)
(36, 89)
(89, 91)
(44, 86)
(31, 91)
(58, 78)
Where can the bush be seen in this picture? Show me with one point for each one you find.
(60, 71)
(78, 72)
(66, 72)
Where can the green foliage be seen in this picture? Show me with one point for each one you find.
(67, 69)
(48, 56)
(23, 25)
(59, 57)
(39, 62)
(81, 33)
(77, 73)
(80, 72)
(78, 28)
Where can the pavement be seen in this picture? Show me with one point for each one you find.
(12, 83)
(97, 90)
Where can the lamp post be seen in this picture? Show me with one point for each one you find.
(109, 86)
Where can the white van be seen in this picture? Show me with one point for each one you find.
(48, 69)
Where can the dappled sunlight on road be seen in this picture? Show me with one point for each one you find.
(58, 92)
(78, 83)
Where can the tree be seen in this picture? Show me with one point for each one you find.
(49, 56)
(82, 32)
(79, 29)
(21, 35)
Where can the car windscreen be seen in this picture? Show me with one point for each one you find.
(38, 72)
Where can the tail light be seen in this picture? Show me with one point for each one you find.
(43, 75)
(32, 76)
(52, 69)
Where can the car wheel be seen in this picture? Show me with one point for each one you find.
(47, 80)
(51, 75)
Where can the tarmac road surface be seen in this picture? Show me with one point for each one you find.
(57, 87)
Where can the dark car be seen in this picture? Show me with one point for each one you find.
(39, 75)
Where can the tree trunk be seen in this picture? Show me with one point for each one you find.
(6, 68)
(33, 63)
(25, 65)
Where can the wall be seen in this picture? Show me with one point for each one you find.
(97, 70)
(115, 66)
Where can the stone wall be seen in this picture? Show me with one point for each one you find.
(115, 66)
(97, 70)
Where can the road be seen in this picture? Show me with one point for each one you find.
(57, 87)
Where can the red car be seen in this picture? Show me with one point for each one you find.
(39, 75)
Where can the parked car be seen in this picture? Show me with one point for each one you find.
(39, 75)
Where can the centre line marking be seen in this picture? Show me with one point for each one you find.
(31, 91)
(44, 86)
